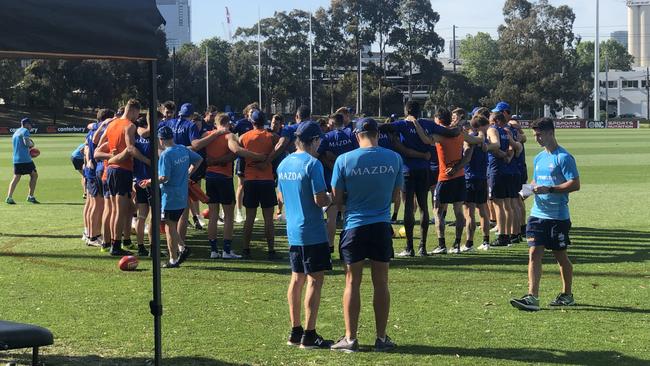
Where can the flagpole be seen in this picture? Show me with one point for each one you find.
(207, 80)
(311, 77)
(259, 56)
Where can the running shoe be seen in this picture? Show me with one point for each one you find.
(343, 345)
(32, 200)
(215, 255)
(497, 243)
(119, 252)
(455, 250)
(466, 249)
(94, 242)
(184, 255)
(105, 248)
(84, 237)
(563, 300)
(422, 251)
(10, 201)
(198, 224)
(439, 250)
(384, 346)
(295, 336)
(528, 303)
(485, 246)
(239, 218)
(142, 251)
(246, 253)
(406, 253)
(314, 342)
(171, 265)
(230, 255)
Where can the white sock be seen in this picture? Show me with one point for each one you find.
(181, 248)
(383, 339)
(172, 261)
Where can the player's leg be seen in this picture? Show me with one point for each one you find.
(12, 188)
(352, 299)
(107, 218)
(86, 215)
(381, 296)
(332, 213)
(143, 213)
(213, 239)
(122, 222)
(566, 270)
(421, 196)
(294, 296)
(228, 228)
(397, 202)
(127, 227)
(535, 255)
(439, 211)
(409, 216)
(269, 230)
(173, 239)
(33, 179)
(469, 210)
(312, 299)
(181, 227)
(484, 215)
(239, 199)
(251, 213)
(460, 225)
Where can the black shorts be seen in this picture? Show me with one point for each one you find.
(119, 181)
(142, 195)
(24, 168)
(172, 215)
(310, 258)
(499, 186)
(77, 163)
(373, 241)
(220, 190)
(93, 188)
(433, 178)
(515, 186)
(523, 173)
(552, 234)
(417, 180)
(240, 166)
(451, 191)
(199, 173)
(259, 193)
(477, 191)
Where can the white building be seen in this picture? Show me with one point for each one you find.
(177, 18)
(627, 92)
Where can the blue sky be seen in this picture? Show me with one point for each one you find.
(471, 16)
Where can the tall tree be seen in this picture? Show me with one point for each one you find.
(415, 41)
(617, 56)
(455, 90)
(479, 53)
(10, 76)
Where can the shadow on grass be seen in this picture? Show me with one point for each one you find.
(615, 309)
(528, 355)
(60, 360)
(39, 236)
(62, 203)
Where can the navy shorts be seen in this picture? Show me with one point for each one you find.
(477, 191)
(119, 181)
(259, 193)
(433, 178)
(240, 166)
(105, 191)
(417, 181)
(373, 241)
(499, 186)
(220, 190)
(515, 186)
(78, 164)
(310, 258)
(523, 173)
(451, 191)
(24, 168)
(552, 234)
(200, 172)
(93, 188)
(172, 215)
(142, 195)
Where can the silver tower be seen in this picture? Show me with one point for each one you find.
(638, 27)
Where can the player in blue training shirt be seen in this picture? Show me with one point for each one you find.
(335, 143)
(555, 175)
(303, 189)
(142, 172)
(23, 163)
(365, 181)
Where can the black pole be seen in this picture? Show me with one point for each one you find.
(156, 303)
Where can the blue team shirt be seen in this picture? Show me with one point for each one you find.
(91, 173)
(497, 166)
(369, 176)
(338, 142)
(142, 171)
(384, 141)
(174, 164)
(21, 151)
(78, 153)
(411, 140)
(552, 169)
(289, 131)
(242, 126)
(477, 167)
(300, 177)
(183, 130)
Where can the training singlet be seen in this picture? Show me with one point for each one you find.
(261, 142)
(142, 171)
(497, 166)
(116, 137)
(477, 167)
(450, 152)
(215, 150)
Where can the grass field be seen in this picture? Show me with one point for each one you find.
(450, 310)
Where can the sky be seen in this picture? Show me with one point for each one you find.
(470, 16)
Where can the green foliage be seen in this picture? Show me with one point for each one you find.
(479, 54)
(616, 55)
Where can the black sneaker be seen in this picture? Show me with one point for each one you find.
(246, 253)
(385, 345)
(498, 243)
(314, 342)
(273, 255)
(170, 265)
(343, 345)
(422, 251)
(516, 239)
(197, 225)
(295, 337)
(184, 255)
(119, 252)
(142, 251)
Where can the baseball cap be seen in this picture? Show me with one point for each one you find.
(165, 133)
(501, 106)
(309, 130)
(257, 116)
(24, 121)
(365, 125)
(186, 110)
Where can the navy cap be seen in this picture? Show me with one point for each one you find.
(24, 121)
(474, 111)
(257, 116)
(186, 110)
(365, 125)
(501, 106)
(165, 133)
(308, 131)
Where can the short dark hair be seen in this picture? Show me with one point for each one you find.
(483, 111)
(211, 109)
(343, 110)
(338, 118)
(498, 117)
(169, 105)
(479, 120)
(543, 124)
(303, 112)
(133, 103)
(460, 112)
(412, 108)
(104, 114)
(278, 117)
(444, 116)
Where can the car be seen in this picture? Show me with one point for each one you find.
(629, 115)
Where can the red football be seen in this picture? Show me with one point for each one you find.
(34, 152)
(206, 213)
(128, 263)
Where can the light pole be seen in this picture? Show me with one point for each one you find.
(597, 67)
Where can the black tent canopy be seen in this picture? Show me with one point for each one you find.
(93, 29)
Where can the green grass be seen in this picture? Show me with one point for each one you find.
(449, 310)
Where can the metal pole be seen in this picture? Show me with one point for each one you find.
(360, 83)
(597, 66)
(311, 77)
(174, 74)
(207, 79)
(259, 56)
(453, 47)
(155, 305)
(647, 89)
(606, 89)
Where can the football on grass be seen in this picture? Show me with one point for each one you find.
(128, 263)
(206, 213)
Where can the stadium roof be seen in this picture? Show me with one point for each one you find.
(115, 29)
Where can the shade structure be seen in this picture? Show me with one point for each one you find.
(94, 29)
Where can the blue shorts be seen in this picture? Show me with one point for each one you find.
(240, 165)
(93, 187)
(551, 234)
(477, 191)
(310, 258)
(373, 241)
(451, 191)
(120, 182)
(105, 191)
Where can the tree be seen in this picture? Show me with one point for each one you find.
(617, 56)
(479, 54)
(242, 70)
(415, 41)
(45, 85)
(10, 76)
(455, 90)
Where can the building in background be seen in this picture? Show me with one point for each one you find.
(638, 31)
(620, 37)
(177, 17)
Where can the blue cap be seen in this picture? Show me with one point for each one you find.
(501, 106)
(309, 130)
(186, 110)
(365, 125)
(165, 133)
(257, 116)
(24, 121)
(474, 111)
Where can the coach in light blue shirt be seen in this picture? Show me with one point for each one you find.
(365, 181)
(303, 190)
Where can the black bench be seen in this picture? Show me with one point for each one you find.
(17, 335)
